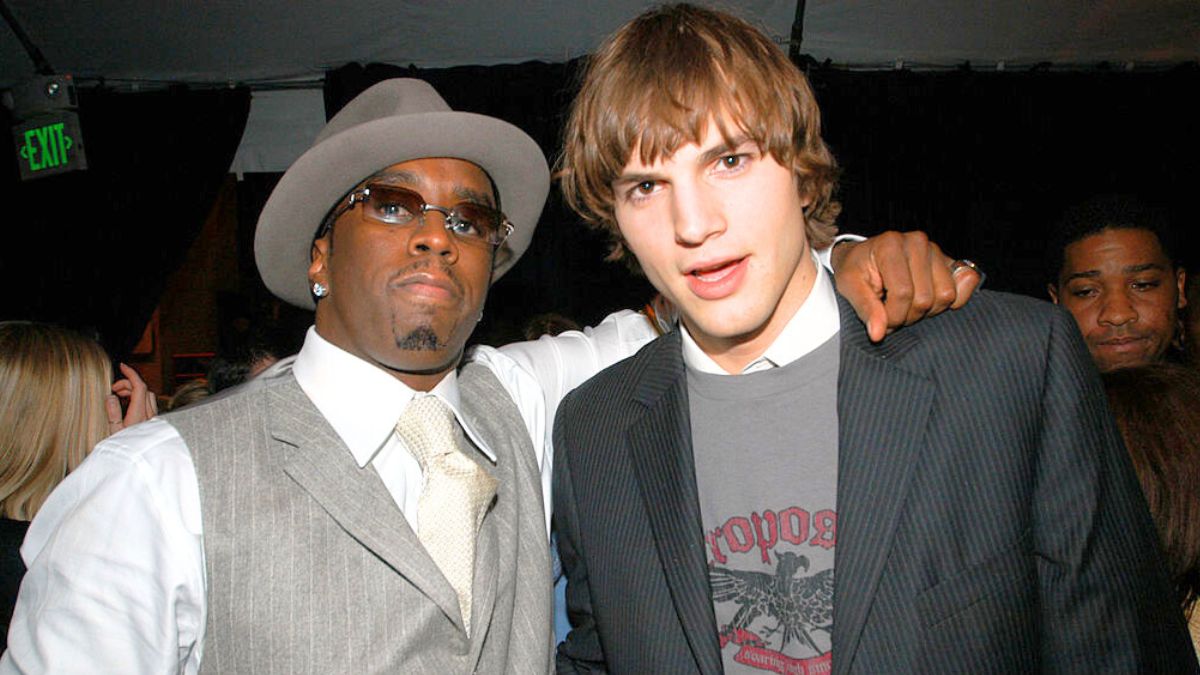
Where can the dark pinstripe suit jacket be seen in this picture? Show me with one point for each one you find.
(988, 517)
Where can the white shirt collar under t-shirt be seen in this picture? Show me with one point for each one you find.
(362, 402)
(817, 320)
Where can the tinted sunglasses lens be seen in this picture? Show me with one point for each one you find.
(484, 220)
(393, 204)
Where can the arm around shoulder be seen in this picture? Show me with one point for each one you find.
(560, 363)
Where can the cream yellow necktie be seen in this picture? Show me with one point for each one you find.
(455, 495)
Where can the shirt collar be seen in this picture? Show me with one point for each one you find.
(817, 320)
(362, 402)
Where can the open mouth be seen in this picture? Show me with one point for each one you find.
(712, 282)
(717, 272)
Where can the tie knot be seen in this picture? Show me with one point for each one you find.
(427, 428)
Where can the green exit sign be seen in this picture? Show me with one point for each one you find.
(49, 144)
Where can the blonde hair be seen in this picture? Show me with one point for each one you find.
(53, 385)
(657, 83)
(189, 393)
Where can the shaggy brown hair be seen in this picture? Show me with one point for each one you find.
(1157, 408)
(657, 83)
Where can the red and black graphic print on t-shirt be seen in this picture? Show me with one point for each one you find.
(771, 575)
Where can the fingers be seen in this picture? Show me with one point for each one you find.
(142, 405)
(865, 294)
(131, 374)
(903, 274)
(943, 289)
(966, 281)
(122, 388)
(877, 323)
(857, 279)
(896, 279)
(112, 407)
(933, 288)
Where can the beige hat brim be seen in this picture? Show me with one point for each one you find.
(332, 167)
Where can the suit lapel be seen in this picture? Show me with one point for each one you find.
(660, 444)
(318, 461)
(883, 411)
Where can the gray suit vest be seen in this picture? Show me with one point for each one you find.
(312, 568)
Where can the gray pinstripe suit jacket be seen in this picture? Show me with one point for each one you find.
(988, 517)
(312, 568)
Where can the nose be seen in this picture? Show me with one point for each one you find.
(1117, 310)
(431, 237)
(698, 215)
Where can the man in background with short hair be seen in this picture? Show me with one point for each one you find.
(1116, 272)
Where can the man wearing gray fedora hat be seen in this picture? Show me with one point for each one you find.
(377, 506)
(295, 525)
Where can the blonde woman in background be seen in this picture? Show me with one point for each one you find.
(57, 401)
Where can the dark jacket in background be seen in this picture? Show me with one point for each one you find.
(12, 569)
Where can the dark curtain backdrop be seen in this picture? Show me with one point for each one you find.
(983, 161)
(986, 162)
(93, 249)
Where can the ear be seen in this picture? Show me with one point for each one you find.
(318, 270)
(1181, 285)
(1052, 290)
(500, 255)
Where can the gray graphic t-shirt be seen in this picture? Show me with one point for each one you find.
(766, 463)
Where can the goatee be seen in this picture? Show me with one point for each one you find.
(419, 339)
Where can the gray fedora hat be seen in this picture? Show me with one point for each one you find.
(391, 122)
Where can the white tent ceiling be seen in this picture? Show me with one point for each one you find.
(264, 40)
(144, 42)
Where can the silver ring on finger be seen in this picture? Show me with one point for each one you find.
(963, 263)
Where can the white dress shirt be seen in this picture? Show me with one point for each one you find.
(362, 403)
(116, 579)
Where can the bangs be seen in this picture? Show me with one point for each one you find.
(714, 81)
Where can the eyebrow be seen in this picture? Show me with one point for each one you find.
(632, 179)
(415, 180)
(1128, 269)
(1144, 267)
(710, 155)
(474, 196)
(724, 148)
(396, 177)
